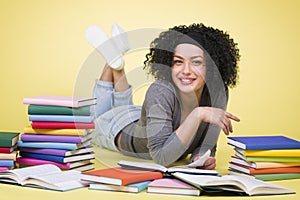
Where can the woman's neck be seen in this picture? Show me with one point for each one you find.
(189, 101)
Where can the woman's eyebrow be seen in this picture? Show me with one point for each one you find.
(192, 57)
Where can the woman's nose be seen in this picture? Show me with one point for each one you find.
(186, 68)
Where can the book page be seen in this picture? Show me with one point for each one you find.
(142, 165)
(65, 180)
(21, 174)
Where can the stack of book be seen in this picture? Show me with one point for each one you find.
(8, 150)
(60, 133)
(266, 157)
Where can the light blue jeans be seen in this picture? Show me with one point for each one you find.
(113, 111)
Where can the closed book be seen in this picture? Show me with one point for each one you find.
(8, 149)
(7, 163)
(172, 186)
(118, 176)
(52, 145)
(8, 139)
(277, 177)
(58, 152)
(8, 156)
(67, 166)
(263, 142)
(249, 170)
(59, 159)
(271, 153)
(73, 132)
(262, 165)
(62, 125)
(2, 169)
(133, 188)
(272, 159)
(67, 101)
(58, 110)
(61, 118)
(54, 138)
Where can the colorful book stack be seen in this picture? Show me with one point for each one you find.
(8, 150)
(60, 133)
(266, 157)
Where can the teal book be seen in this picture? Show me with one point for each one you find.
(58, 110)
(263, 142)
(132, 188)
(8, 139)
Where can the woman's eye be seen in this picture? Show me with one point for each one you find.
(177, 62)
(197, 62)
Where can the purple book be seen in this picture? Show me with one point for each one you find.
(57, 152)
(51, 138)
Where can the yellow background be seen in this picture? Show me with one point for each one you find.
(44, 52)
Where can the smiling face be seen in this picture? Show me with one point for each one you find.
(189, 69)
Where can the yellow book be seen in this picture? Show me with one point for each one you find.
(271, 153)
(70, 132)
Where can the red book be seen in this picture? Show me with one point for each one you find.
(278, 170)
(119, 176)
(7, 149)
(61, 125)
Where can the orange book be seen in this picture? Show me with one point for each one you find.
(278, 170)
(119, 176)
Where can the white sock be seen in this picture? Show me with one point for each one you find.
(120, 38)
(100, 41)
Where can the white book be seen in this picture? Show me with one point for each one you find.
(233, 183)
(46, 176)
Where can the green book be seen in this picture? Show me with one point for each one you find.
(8, 139)
(277, 177)
(58, 110)
(272, 159)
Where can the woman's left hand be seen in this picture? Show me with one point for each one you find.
(209, 164)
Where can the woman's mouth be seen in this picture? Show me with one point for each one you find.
(186, 81)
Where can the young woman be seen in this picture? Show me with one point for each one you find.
(183, 110)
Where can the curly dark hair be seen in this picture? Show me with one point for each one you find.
(217, 44)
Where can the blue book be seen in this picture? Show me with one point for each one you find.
(7, 163)
(133, 188)
(59, 159)
(49, 145)
(263, 142)
(61, 118)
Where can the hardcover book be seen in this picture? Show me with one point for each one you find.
(8, 156)
(133, 188)
(73, 132)
(58, 110)
(58, 152)
(62, 125)
(44, 176)
(53, 145)
(119, 176)
(237, 184)
(54, 138)
(61, 118)
(83, 165)
(59, 159)
(8, 139)
(263, 142)
(270, 153)
(67, 101)
(172, 186)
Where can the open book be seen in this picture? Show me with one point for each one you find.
(190, 168)
(233, 183)
(46, 176)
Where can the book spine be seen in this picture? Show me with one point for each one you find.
(55, 152)
(5, 150)
(61, 118)
(61, 125)
(50, 138)
(7, 163)
(33, 161)
(58, 110)
(53, 158)
(50, 145)
(69, 132)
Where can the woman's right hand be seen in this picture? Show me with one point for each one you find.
(217, 116)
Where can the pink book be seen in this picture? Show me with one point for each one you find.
(62, 125)
(172, 186)
(67, 101)
(2, 169)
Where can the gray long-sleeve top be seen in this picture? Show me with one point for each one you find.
(153, 135)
